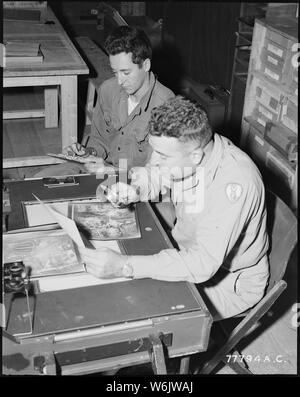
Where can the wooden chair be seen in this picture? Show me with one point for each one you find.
(282, 228)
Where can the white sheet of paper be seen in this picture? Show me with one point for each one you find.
(112, 244)
(48, 284)
(65, 223)
(57, 283)
(38, 215)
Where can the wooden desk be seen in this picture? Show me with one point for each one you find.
(122, 324)
(60, 67)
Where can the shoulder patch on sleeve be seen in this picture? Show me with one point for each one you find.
(233, 191)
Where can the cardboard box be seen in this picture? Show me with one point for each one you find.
(274, 66)
(205, 96)
(282, 10)
(292, 80)
(289, 115)
(267, 95)
(263, 115)
(269, 160)
(278, 40)
(133, 8)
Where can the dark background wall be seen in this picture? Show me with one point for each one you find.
(199, 38)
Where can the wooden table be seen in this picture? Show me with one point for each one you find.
(61, 65)
(122, 324)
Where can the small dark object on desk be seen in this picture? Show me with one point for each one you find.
(15, 276)
(60, 181)
(6, 208)
(16, 280)
(49, 23)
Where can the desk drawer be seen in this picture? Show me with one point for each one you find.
(283, 139)
(274, 67)
(267, 95)
(263, 115)
(275, 58)
(292, 80)
(289, 115)
(279, 167)
(270, 59)
(268, 158)
(277, 43)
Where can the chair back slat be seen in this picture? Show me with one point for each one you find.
(282, 229)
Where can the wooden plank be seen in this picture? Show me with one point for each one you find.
(25, 11)
(58, 51)
(69, 110)
(51, 107)
(30, 161)
(22, 48)
(30, 81)
(23, 114)
(25, 4)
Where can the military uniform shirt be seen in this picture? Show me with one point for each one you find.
(115, 134)
(227, 228)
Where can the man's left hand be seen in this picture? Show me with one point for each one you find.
(103, 262)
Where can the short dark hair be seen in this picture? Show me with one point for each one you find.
(129, 39)
(181, 118)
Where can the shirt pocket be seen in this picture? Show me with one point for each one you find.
(141, 134)
(111, 120)
(141, 139)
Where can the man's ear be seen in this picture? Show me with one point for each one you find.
(197, 156)
(147, 65)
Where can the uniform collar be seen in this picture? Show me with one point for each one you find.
(145, 100)
(212, 164)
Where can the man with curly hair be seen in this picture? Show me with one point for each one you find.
(219, 201)
(123, 107)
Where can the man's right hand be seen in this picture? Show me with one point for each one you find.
(76, 149)
(92, 163)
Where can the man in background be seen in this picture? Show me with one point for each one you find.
(123, 107)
